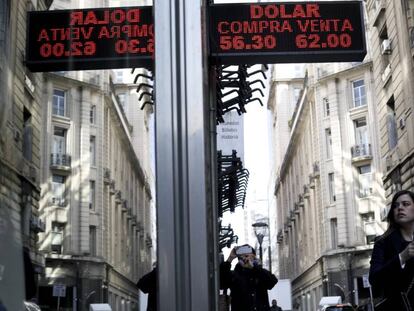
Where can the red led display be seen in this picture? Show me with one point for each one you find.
(242, 33)
(90, 39)
(299, 32)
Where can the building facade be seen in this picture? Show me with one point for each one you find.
(68, 170)
(96, 198)
(20, 162)
(392, 41)
(328, 184)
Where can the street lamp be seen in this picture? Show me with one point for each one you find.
(260, 230)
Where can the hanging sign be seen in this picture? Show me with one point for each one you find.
(241, 33)
(287, 32)
(90, 39)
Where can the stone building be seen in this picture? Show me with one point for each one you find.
(328, 184)
(20, 155)
(96, 196)
(392, 41)
(68, 170)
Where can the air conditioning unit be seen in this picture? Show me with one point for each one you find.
(386, 47)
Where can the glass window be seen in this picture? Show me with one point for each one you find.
(358, 92)
(4, 22)
(27, 135)
(296, 94)
(331, 182)
(58, 103)
(326, 108)
(59, 141)
(92, 150)
(92, 114)
(328, 142)
(370, 227)
(334, 233)
(121, 98)
(58, 190)
(391, 125)
(92, 240)
(92, 195)
(365, 180)
(57, 235)
(361, 131)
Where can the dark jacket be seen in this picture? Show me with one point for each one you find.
(148, 284)
(248, 286)
(387, 277)
(275, 308)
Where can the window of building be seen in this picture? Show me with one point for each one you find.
(328, 143)
(92, 240)
(361, 132)
(59, 141)
(58, 102)
(121, 99)
(4, 23)
(365, 180)
(27, 135)
(334, 233)
(391, 124)
(92, 114)
(358, 93)
(58, 190)
(296, 94)
(368, 220)
(409, 11)
(92, 150)
(92, 195)
(57, 236)
(326, 108)
(331, 185)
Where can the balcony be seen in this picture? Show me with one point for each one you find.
(60, 161)
(56, 201)
(361, 152)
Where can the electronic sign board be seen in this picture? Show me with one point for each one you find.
(287, 32)
(90, 39)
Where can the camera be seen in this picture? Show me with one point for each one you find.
(245, 249)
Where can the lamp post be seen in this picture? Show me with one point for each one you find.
(260, 230)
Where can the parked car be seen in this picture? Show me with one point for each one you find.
(340, 307)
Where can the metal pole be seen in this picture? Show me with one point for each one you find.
(372, 300)
(183, 158)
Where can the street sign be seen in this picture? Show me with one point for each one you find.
(90, 39)
(365, 281)
(59, 290)
(287, 32)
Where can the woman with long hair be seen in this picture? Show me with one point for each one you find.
(392, 265)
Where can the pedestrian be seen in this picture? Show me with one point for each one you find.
(248, 282)
(148, 284)
(392, 265)
(274, 306)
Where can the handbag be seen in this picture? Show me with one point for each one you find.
(386, 304)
